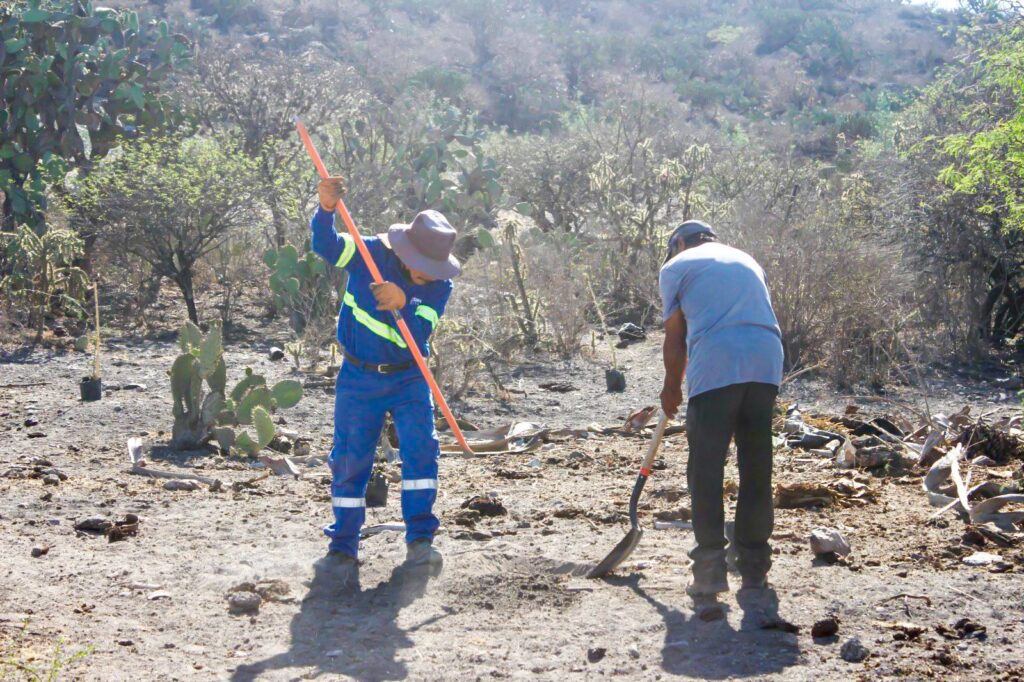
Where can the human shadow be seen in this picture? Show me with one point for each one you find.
(714, 650)
(346, 630)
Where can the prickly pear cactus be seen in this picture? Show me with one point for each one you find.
(300, 284)
(195, 409)
(202, 413)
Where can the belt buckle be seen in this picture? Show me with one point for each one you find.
(384, 370)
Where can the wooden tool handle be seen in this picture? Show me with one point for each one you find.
(652, 448)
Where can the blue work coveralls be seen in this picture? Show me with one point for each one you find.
(363, 397)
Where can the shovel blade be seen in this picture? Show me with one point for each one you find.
(619, 554)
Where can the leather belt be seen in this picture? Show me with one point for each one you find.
(379, 369)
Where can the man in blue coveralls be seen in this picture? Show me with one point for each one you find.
(379, 376)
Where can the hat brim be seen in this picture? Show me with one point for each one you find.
(397, 239)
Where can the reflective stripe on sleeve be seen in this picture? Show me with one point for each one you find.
(428, 314)
(420, 484)
(347, 252)
(364, 318)
(349, 502)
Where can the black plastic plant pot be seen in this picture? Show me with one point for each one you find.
(615, 380)
(91, 389)
(377, 491)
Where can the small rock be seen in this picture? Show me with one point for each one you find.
(39, 550)
(153, 596)
(826, 627)
(829, 541)
(59, 331)
(633, 651)
(37, 434)
(596, 654)
(853, 651)
(244, 602)
(125, 642)
(31, 422)
(51, 479)
(94, 524)
(275, 353)
(134, 387)
(181, 485)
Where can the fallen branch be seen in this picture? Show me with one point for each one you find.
(903, 595)
(138, 467)
(139, 470)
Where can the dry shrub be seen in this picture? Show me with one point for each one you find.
(843, 296)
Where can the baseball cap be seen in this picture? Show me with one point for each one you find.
(685, 231)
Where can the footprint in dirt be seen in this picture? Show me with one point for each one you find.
(501, 581)
(348, 630)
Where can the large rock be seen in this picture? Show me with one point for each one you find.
(829, 541)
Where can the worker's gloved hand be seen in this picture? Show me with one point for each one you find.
(331, 190)
(389, 296)
(671, 399)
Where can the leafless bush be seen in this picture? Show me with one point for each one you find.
(842, 295)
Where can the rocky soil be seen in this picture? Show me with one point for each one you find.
(205, 584)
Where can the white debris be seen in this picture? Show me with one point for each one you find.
(982, 559)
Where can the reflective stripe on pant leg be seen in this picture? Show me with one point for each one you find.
(420, 484)
(358, 419)
(413, 413)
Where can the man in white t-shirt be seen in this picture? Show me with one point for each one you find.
(721, 331)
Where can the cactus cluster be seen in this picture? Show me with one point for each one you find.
(201, 414)
(299, 283)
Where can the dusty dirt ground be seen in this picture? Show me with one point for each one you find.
(510, 602)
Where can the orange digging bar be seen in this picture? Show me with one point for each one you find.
(399, 320)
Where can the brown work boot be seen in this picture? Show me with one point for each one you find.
(760, 605)
(708, 579)
(422, 553)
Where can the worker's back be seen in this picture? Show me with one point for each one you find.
(732, 335)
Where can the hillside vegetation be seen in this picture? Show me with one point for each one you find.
(865, 151)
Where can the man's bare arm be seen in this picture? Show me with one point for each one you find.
(674, 354)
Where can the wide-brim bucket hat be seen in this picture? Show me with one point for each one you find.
(426, 245)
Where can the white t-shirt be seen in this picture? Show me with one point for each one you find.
(732, 334)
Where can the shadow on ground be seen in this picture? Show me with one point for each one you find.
(346, 630)
(715, 650)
